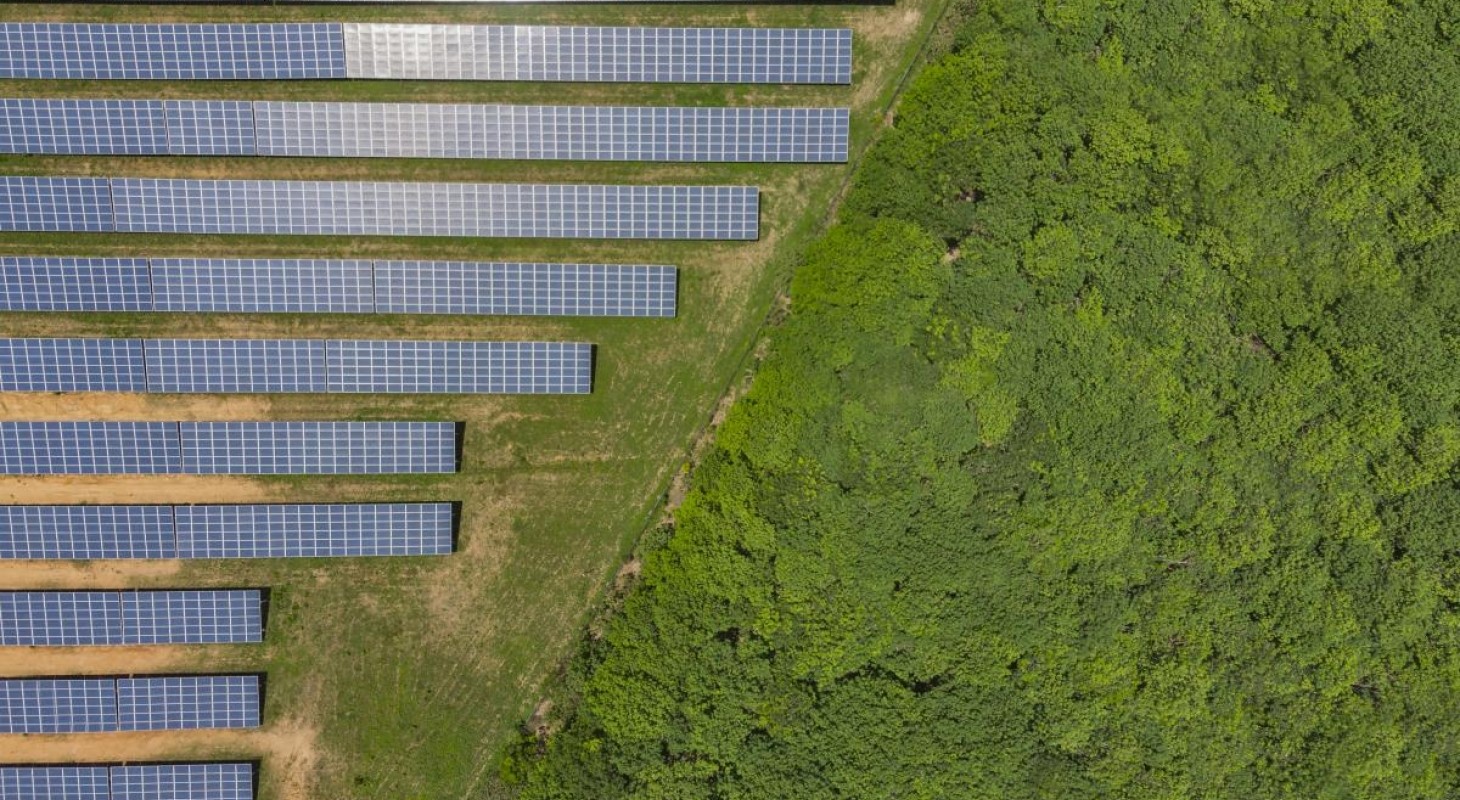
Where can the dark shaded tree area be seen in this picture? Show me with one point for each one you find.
(1109, 451)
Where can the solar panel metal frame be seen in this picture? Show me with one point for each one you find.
(55, 783)
(188, 702)
(58, 705)
(32, 283)
(60, 619)
(236, 365)
(318, 448)
(598, 54)
(83, 127)
(203, 781)
(239, 285)
(45, 204)
(70, 532)
(192, 616)
(89, 448)
(426, 367)
(160, 205)
(315, 530)
(72, 365)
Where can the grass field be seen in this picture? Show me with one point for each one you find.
(403, 678)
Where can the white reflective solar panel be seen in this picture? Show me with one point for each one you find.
(460, 287)
(82, 127)
(189, 702)
(581, 53)
(147, 205)
(36, 532)
(460, 367)
(182, 782)
(315, 531)
(55, 204)
(60, 618)
(236, 365)
(262, 285)
(318, 448)
(72, 365)
(30, 283)
(57, 705)
(171, 51)
(54, 783)
(88, 448)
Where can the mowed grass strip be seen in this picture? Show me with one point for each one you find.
(403, 678)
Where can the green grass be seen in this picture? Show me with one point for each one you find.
(407, 676)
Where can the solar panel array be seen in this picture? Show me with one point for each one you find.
(56, 204)
(422, 130)
(189, 702)
(318, 285)
(55, 783)
(227, 448)
(416, 52)
(180, 616)
(201, 781)
(359, 366)
(95, 705)
(598, 54)
(236, 365)
(218, 531)
(72, 365)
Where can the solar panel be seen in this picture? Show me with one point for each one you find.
(190, 702)
(33, 532)
(210, 127)
(74, 284)
(617, 54)
(55, 204)
(236, 365)
(192, 616)
(262, 285)
(57, 705)
(60, 618)
(182, 782)
(455, 287)
(584, 133)
(318, 448)
(83, 127)
(88, 448)
(171, 51)
(54, 783)
(460, 367)
(148, 205)
(314, 531)
(72, 365)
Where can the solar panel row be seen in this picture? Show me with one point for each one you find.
(96, 705)
(317, 285)
(227, 448)
(202, 781)
(418, 130)
(152, 205)
(224, 531)
(414, 52)
(294, 365)
(184, 616)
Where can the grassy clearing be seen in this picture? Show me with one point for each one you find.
(403, 678)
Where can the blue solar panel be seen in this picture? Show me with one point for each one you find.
(262, 285)
(55, 204)
(60, 618)
(188, 703)
(32, 532)
(460, 367)
(236, 365)
(55, 783)
(318, 448)
(210, 127)
(598, 290)
(192, 616)
(72, 365)
(266, 531)
(183, 782)
(74, 284)
(88, 448)
(83, 127)
(171, 51)
(58, 705)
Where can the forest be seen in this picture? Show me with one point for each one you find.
(1109, 449)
